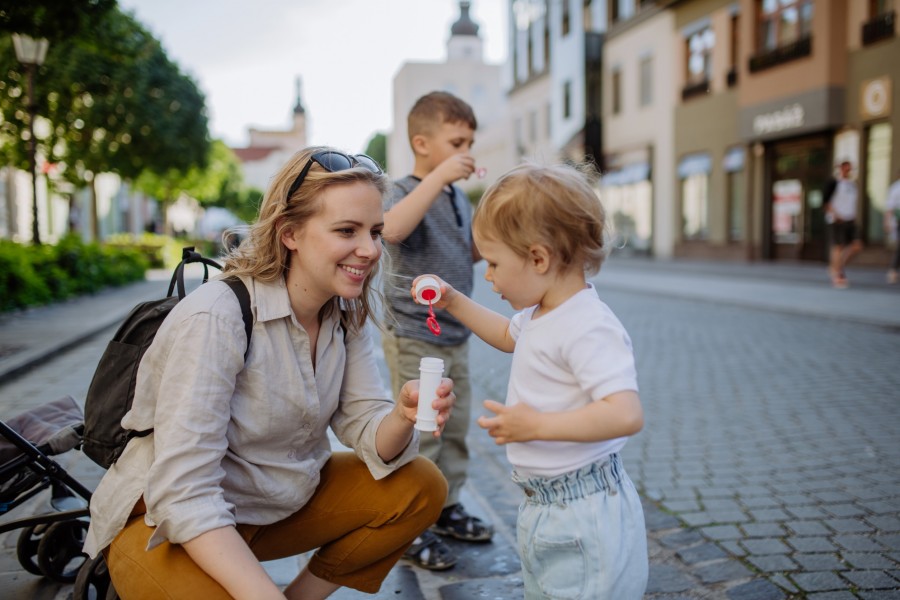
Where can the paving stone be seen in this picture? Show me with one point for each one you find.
(722, 532)
(769, 514)
(819, 562)
(733, 548)
(721, 504)
(806, 512)
(891, 541)
(871, 580)
(876, 595)
(808, 528)
(879, 507)
(848, 525)
(772, 563)
(765, 546)
(681, 539)
(885, 523)
(868, 560)
(758, 589)
(485, 588)
(783, 582)
(795, 499)
(701, 553)
(666, 579)
(832, 596)
(657, 520)
(833, 496)
(857, 542)
(760, 501)
(722, 571)
(763, 529)
(681, 505)
(844, 510)
(819, 582)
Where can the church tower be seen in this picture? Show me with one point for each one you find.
(464, 42)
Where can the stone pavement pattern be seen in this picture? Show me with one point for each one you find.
(769, 460)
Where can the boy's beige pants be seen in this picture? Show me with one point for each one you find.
(360, 526)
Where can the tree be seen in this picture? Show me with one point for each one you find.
(52, 19)
(377, 149)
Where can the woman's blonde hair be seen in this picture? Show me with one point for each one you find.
(555, 206)
(263, 256)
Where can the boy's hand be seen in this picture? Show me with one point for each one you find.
(447, 291)
(454, 168)
(516, 423)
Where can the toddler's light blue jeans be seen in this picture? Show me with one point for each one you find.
(581, 535)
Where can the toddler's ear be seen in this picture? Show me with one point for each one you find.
(539, 258)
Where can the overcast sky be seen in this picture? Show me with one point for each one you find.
(246, 54)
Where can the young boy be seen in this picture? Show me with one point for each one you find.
(572, 400)
(427, 227)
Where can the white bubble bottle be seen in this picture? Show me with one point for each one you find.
(431, 370)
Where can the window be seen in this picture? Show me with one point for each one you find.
(880, 26)
(532, 126)
(548, 120)
(622, 10)
(587, 17)
(783, 22)
(879, 8)
(693, 170)
(567, 100)
(733, 164)
(566, 17)
(699, 56)
(646, 91)
(878, 179)
(733, 54)
(616, 91)
(547, 40)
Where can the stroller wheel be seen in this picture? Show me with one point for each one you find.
(93, 582)
(59, 551)
(27, 547)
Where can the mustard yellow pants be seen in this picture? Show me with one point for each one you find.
(360, 526)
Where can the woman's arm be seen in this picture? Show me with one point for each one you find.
(396, 429)
(225, 557)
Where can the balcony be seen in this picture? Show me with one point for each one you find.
(692, 90)
(779, 56)
(879, 28)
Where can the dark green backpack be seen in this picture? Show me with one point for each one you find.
(111, 391)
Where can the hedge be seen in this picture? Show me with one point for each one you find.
(36, 275)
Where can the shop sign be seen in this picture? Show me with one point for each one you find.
(875, 98)
(789, 117)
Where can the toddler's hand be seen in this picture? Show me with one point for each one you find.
(447, 291)
(511, 424)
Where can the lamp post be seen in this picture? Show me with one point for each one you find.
(31, 53)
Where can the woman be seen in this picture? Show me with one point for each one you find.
(238, 468)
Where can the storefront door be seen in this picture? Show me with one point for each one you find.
(799, 170)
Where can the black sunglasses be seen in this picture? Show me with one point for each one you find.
(333, 161)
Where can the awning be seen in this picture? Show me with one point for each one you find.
(734, 160)
(628, 174)
(694, 164)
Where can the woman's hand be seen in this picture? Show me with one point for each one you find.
(409, 400)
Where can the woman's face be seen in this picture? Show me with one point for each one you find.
(336, 250)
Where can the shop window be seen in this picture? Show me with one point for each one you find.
(878, 179)
(693, 170)
(699, 62)
(733, 165)
(616, 91)
(880, 26)
(646, 91)
(784, 32)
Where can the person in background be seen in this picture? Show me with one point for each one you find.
(892, 226)
(239, 468)
(572, 399)
(841, 197)
(427, 227)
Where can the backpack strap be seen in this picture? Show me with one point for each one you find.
(243, 296)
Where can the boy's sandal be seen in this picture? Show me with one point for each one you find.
(457, 523)
(430, 552)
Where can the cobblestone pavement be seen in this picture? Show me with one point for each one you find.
(768, 464)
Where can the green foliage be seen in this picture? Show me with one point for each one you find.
(51, 19)
(377, 149)
(475, 195)
(220, 174)
(35, 275)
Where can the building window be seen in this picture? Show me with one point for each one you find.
(646, 91)
(693, 170)
(520, 135)
(566, 18)
(731, 78)
(622, 10)
(784, 32)
(880, 26)
(699, 48)
(587, 16)
(532, 126)
(548, 120)
(547, 40)
(567, 100)
(616, 91)
(878, 179)
(733, 164)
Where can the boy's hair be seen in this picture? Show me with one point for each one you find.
(434, 109)
(550, 205)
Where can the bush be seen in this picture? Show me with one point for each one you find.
(35, 275)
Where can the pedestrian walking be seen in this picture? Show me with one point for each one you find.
(572, 399)
(427, 227)
(238, 468)
(892, 226)
(840, 217)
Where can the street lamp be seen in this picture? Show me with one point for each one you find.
(31, 53)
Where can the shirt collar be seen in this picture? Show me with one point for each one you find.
(272, 301)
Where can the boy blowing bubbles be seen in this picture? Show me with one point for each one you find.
(572, 399)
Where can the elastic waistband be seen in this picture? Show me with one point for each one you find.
(601, 476)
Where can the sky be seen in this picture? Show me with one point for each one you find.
(245, 56)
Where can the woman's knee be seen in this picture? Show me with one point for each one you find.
(431, 485)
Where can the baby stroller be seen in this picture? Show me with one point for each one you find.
(50, 543)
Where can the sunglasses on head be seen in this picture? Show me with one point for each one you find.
(333, 161)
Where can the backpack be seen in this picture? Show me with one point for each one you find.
(111, 391)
